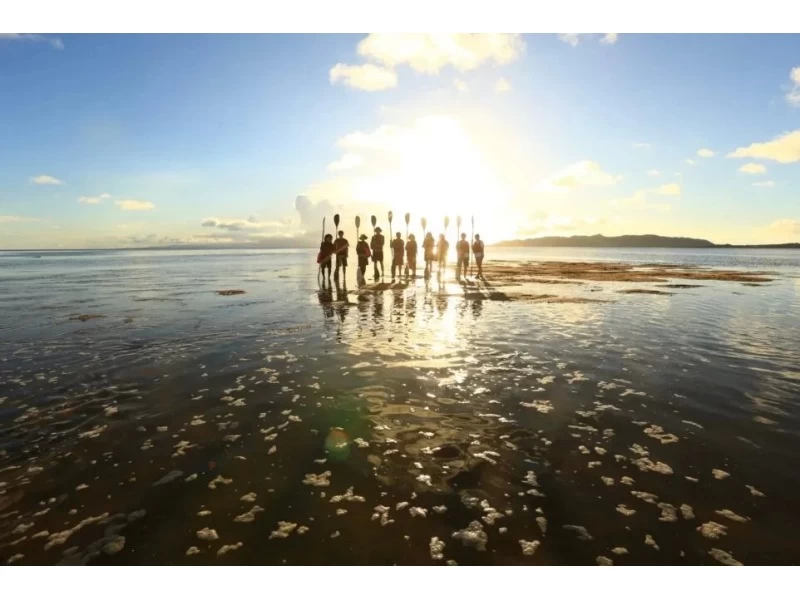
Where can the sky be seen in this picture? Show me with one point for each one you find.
(148, 140)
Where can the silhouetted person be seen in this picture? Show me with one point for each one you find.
(477, 251)
(363, 253)
(411, 254)
(462, 256)
(398, 249)
(441, 250)
(342, 247)
(430, 254)
(326, 250)
(376, 244)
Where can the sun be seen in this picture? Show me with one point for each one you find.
(435, 170)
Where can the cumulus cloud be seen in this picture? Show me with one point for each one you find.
(641, 145)
(783, 149)
(46, 179)
(690, 162)
(34, 37)
(585, 173)
(502, 85)
(670, 189)
(430, 52)
(134, 205)
(93, 200)
(764, 184)
(367, 77)
(346, 162)
(639, 201)
(653, 172)
(705, 153)
(573, 39)
(793, 95)
(753, 168)
(461, 85)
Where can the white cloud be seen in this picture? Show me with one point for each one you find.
(368, 77)
(461, 85)
(580, 174)
(793, 96)
(573, 39)
(764, 184)
(46, 179)
(11, 219)
(346, 162)
(705, 153)
(251, 224)
(502, 85)
(653, 173)
(639, 201)
(783, 149)
(669, 189)
(753, 168)
(640, 145)
(33, 37)
(690, 162)
(94, 200)
(134, 205)
(430, 52)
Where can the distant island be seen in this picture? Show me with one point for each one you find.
(631, 241)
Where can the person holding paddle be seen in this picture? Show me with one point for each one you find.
(398, 249)
(376, 244)
(442, 249)
(411, 255)
(363, 253)
(326, 251)
(477, 251)
(462, 256)
(341, 246)
(430, 255)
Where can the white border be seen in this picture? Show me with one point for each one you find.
(200, 16)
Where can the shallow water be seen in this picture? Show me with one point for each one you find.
(622, 411)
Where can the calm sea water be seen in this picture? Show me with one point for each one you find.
(187, 427)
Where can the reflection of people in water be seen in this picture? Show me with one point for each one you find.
(430, 255)
(462, 256)
(326, 250)
(325, 296)
(398, 249)
(411, 255)
(363, 253)
(342, 302)
(477, 251)
(342, 247)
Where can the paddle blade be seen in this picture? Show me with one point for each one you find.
(446, 221)
(390, 217)
(424, 223)
(458, 221)
(374, 221)
(336, 220)
(358, 221)
(408, 218)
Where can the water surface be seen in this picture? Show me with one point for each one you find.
(585, 427)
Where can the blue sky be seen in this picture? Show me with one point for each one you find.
(123, 140)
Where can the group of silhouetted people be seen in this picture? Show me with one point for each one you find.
(404, 255)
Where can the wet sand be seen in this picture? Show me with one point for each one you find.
(415, 423)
